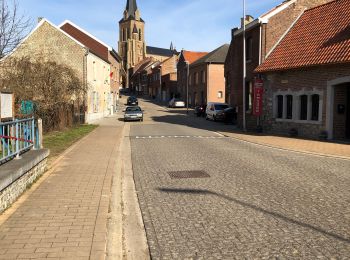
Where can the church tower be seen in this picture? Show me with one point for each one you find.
(132, 47)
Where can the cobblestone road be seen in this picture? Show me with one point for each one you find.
(257, 203)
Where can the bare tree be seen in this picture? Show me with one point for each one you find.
(13, 26)
(55, 89)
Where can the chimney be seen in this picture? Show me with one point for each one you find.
(233, 32)
(248, 19)
(39, 19)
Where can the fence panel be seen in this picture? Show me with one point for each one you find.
(16, 137)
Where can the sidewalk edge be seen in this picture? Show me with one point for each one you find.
(286, 149)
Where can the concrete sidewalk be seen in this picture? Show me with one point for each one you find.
(294, 144)
(65, 214)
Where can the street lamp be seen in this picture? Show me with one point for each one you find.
(187, 81)
(244, 71)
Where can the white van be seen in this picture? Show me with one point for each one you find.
(215, 110)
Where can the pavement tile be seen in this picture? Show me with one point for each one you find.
(58, 219)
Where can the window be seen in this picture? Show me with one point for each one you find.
(289, 106)
(249, 95)
(140, 35)
(190, 80)
(249, 49)
(303, 107)
(315, 99)
(196, 78)
(279, 106)
(220, 94)
(128, 33)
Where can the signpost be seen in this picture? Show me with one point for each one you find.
(258, 97)
(6, 106)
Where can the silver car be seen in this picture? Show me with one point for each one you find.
(134, 113)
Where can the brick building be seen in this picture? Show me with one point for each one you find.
(102, 50)
(262, 35)
(139, 76)
(185, 59)
(47, 42)
(307, 76)
(163, 78)
(206, 78)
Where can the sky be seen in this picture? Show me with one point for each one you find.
(196, 25)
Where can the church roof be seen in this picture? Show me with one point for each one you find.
(131, 7)
(160, 51)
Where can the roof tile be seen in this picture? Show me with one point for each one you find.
(321, 36)
(192, 56)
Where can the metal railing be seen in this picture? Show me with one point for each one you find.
(16, 137)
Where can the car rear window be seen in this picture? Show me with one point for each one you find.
(220, 107)
(133, 109)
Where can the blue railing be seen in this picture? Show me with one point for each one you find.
(16, 137)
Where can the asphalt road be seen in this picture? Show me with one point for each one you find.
(246, 202)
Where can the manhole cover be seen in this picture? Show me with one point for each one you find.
(188, 174)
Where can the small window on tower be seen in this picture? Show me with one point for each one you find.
(140, 35)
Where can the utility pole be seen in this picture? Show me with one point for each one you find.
(244, 71)
(187, 82)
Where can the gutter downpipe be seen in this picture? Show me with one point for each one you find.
(85, 84)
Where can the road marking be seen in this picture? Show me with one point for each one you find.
(179, 136)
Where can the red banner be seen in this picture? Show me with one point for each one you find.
(258, 97)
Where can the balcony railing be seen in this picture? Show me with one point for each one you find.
(16, 137)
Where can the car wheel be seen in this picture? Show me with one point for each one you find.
(214, 118)
(206, 118)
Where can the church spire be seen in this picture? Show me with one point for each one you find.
(131, 7)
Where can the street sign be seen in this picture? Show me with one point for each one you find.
(6, 105)
(27, 107)
(258, 97)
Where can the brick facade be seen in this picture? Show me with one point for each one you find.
(205, 83)
(278, 22)
(308, 81)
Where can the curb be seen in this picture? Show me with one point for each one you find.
(287, 149)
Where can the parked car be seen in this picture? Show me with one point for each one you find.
(176, 103)
(133, 113)
(230, 115)
(215, 111)
(132, 101)
(200, 110)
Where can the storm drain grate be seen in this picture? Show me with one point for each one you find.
(188, 174)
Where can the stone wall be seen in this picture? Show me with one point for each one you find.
(17, 175)
(48, 43)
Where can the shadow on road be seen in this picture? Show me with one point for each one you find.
(256, 208)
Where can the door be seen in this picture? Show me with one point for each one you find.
(347, 126)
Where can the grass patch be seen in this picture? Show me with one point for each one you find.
(57, 142)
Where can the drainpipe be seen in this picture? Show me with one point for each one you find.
(86, 101)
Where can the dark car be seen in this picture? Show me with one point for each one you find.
(133, 113)
(132, 101)
(230, 115)
(200, 110)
